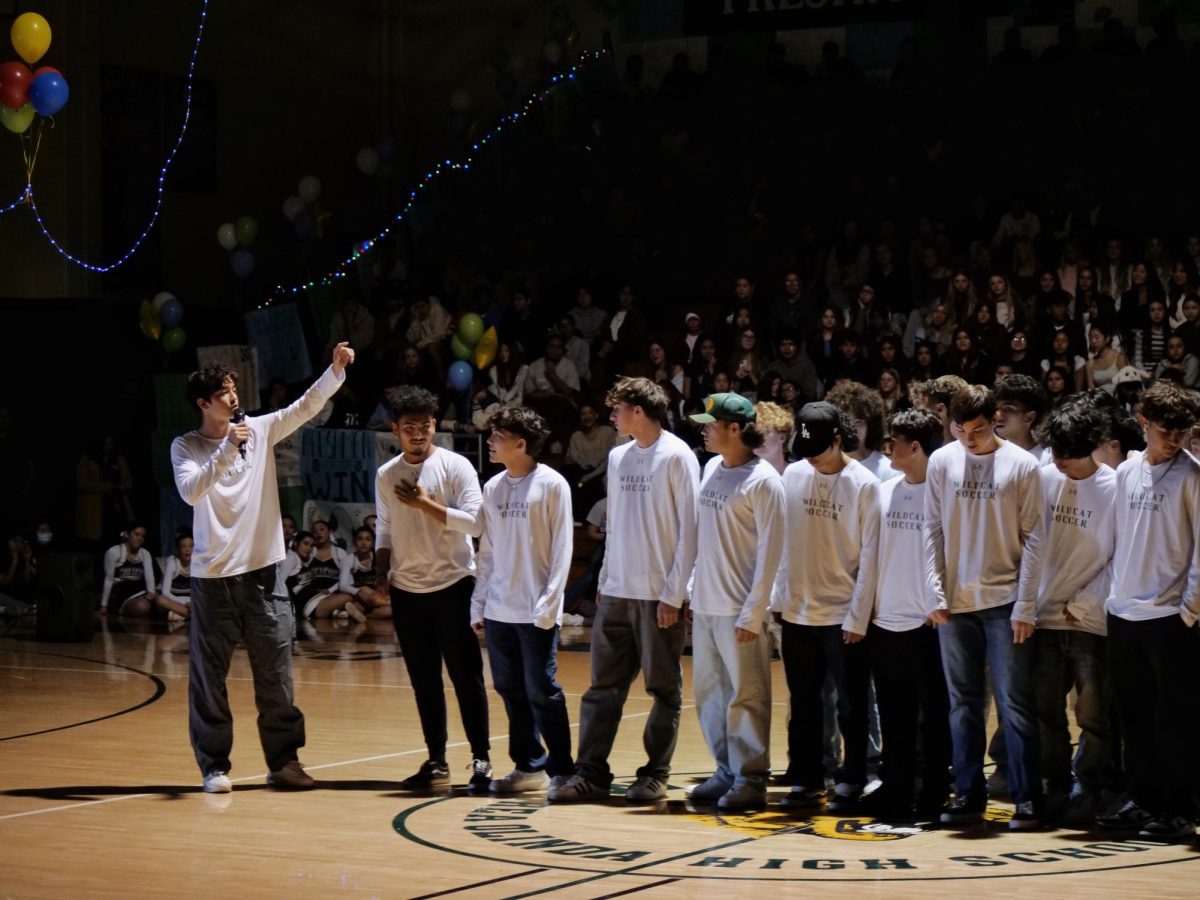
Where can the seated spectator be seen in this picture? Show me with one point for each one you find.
(553, 373)
(288, 523)
(791, 396)
(1059, 385)
(1150, 339)
(524, 324)
(663, 366)
(1180, 361)
(586, 460)
(1144, 288)
(176, 594)
(689, 345)
(1049, 294)
(575, 348)
(17, 571)
(770, 387)
(892, 395)
(851, 363)
(792, 312)
(869, 315)
(887, 354)
(966, 360)
(1061, 356)
(932, 326)
(1010, 309)
(822, 347)
(356, 586)
(351, 321)
(507, 377)
(925, 363)
(990, 335)
(324, 571)
(588, 318)
(1105, 361)
(1189, 327)
(704, 367)
(429, 327)
(1058, 319)
(623, 336)
(960, 299)
(794, 365)
(746, 364)
(128, 575)
(1184, 285)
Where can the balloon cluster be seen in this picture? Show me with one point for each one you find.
(160, 318)
(24, 93)
(373, 161)
(236, 237)
(471, 344)
(300, 208)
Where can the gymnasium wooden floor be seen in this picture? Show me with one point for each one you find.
(99, 797)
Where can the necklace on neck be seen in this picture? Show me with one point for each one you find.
(1148, 475)
(513, 482)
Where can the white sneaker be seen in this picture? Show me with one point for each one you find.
(217, 783)
(519, 782)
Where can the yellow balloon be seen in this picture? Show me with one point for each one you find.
(485, 350)
(150, 322)
(31, 37)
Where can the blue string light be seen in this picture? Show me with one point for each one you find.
(162, 175)
(362, 247)
(15, 203)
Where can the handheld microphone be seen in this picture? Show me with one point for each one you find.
(239, 416)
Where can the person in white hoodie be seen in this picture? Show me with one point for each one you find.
(739, 545)
(648, 557)
(524, 559)
(982, 507)
(823, 594)
(1152, 605)
(226, 470)
(1069, 644)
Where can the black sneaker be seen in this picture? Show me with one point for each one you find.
(430, 774)
(963, 811)
(481, 777)
(802, 798)
(1024, 818)
(1176, 828)
(1128, 817)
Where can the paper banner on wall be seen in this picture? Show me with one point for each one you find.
(339, 465)
(343, 518)
(278, 335)
(243, 359)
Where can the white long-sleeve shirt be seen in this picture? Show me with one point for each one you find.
(426, 555)
(525, 550)
(880, 466)
(981, 516)
(651, 547)
(1156, 561)
(827, 576)
(235, 525)
(904, 598)
(117, 556)
(740, 536)
(1077, 544)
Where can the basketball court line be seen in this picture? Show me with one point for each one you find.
(316, 768)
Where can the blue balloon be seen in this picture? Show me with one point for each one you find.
(242, 262)
(461, 375)
(49, 93)
(171, 313)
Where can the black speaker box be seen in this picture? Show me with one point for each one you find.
(66, 597)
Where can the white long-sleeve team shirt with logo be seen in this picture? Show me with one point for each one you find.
(827, 576)
(1076, 547)
(118, 555)
(235, 525)
(740, 535)
(904, 598)
(1156, 561)
(981, 517)
(525, 550)
(427, 555)
(651, 547)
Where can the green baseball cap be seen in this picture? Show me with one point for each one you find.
(727, 407)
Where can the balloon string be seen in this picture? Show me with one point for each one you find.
(31, 154)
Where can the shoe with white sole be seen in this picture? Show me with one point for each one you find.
(217, 783)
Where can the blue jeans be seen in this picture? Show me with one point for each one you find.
(968, 642)
(524, 669)
(1079, 659)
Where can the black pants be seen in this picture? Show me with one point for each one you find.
(433, 628)
(1152, 665)
(911, 689)
(808, 652)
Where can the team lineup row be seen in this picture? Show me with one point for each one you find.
(921, 584)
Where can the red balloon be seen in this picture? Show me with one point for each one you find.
(44, 69)
(14, 84)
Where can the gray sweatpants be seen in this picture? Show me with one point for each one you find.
(225, 611)
(626, 638)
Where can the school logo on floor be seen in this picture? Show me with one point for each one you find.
(675, 839)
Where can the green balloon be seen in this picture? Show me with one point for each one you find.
(470, 329)
(458, 348)
(17, 120)
(173, 339)
(246, 230)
